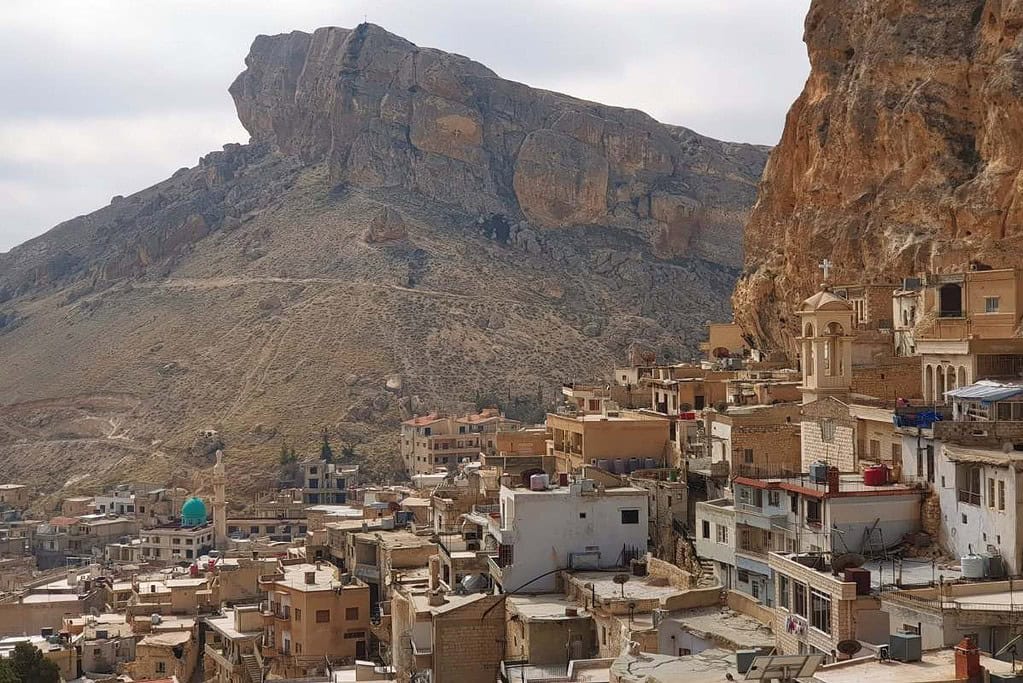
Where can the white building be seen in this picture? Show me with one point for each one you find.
(120, 501)
(583, 525)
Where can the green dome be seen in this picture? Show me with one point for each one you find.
(193, 513)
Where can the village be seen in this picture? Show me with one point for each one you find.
(851, 504)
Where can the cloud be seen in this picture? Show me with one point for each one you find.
(108, 97)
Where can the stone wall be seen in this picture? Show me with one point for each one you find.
(746, 604)
(893, 378)
(840, 451)
(979, 434)
(468, 647)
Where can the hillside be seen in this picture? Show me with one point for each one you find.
(405, 230)
(903, 153)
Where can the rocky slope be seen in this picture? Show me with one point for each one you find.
(405, 230)
(902, 154)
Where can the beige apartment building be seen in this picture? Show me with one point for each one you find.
(619, 441)
(966, 328)
(436, 442)
(232, 651)
(313, 613)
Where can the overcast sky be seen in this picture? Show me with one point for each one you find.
(107, 97)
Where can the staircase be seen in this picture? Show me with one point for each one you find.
(252, 668)
(706, 575)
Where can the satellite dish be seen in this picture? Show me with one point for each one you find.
(849, 647)
(847, 561)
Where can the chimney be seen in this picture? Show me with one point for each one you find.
(436, 598)
(319, 565)
(434, 572)
(310, 578)
(833, 480)
(968, 661)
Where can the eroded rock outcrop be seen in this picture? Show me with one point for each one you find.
(902, 154)
(385, 113)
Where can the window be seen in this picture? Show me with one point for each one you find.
(1001, 495)
(875, 450)
(355, 635)
(630, 516)
(755, 590)
(990, 492)
(323, 616)
(896, 453)
(298, 648)
(706, 529)
(351, 613)
(911, 628)
(582, 515)
(747, 456)
(774, 498)
(603, 635)
(813, 511)
(794, 503)
(783, 592)
(827, 430)
(991, 304)
(722, 533)
(298, 614)
(968, 482)
(799, 598)
(743, 576)
(820, 611)
(161, 667)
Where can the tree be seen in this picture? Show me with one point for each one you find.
(287, 455)
(326, 452)
(29, 666)
(7, 674)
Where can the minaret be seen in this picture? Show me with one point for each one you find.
(219, 503)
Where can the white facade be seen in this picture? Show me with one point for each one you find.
(978, 501)
(715, 537)
(720, 440)
(546, 530)
(121, 502)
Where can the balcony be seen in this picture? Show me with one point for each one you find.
(222, 662)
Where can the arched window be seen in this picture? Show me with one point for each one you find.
(962, 377)
(929, 383)
(832, 353)
(950, 301)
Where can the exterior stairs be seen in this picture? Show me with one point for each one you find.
(252, 667)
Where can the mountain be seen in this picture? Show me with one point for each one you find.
(902, 154)
(404, 231)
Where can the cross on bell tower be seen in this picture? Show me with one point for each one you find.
(826, 266)
(826, 323)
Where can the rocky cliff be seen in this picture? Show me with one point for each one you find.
(902, 154)
(405, 230)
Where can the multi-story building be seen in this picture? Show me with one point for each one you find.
(840, 514)
(231, 654)
(616, 440)
(187, 539)
(755, 440)
(587, 523)
(816, 610)
(438, 442)
(372, 556)
(79, 539)
(313, 613)
(327, 482)
(120, 501)
(967, 328)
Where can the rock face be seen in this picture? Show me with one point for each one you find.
(406, 231)
(902, 154)
(382, 112)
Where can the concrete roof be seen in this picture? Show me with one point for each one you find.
(724, 625)
(709, 665)
(169, 639)
(640, 587)
(225, 625)
(936, 666)
(544, 607)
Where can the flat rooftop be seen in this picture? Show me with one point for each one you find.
(936, 666)
(639, 587)
(709, 665)
(544, 607)
(226, 626)
(724, 625)
(324, 579)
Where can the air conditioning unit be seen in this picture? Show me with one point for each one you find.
(905, 647)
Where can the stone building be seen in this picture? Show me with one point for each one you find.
(439, 442)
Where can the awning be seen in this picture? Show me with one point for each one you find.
(987, 392)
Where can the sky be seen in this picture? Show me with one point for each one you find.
(107, 97)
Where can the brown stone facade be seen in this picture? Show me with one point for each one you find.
(888, 380)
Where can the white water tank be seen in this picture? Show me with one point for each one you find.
(973, 566)
(538, 482)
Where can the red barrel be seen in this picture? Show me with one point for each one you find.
(876, 475)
